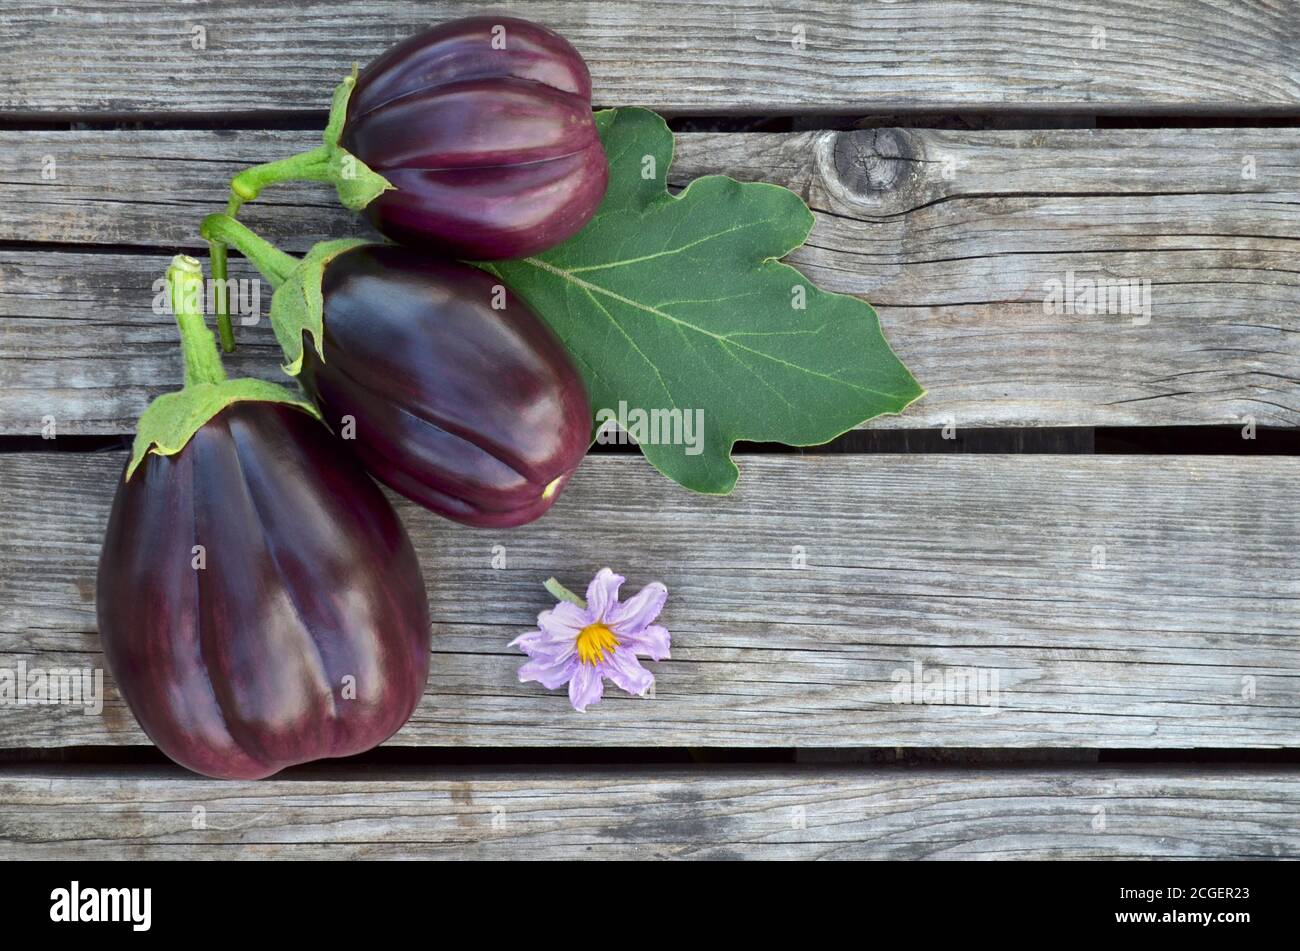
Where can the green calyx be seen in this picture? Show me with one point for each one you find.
(297, 306)
(169, 422)
(357, 184)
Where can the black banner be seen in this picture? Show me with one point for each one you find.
(214, 900)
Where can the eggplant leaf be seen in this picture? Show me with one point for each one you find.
(686, 327)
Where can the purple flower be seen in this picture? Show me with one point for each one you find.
(583, 642)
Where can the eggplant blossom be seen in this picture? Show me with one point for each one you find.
(580, 643)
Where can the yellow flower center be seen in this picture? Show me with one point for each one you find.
(593, 641)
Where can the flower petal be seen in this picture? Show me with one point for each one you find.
(527, 642)
(549, 673)
(651, 641)
(623, 668)
(639, 610)
(564, 620)
(543, 642)
(602, 593)
(552, 653)
(586, 687)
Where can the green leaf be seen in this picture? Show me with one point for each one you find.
(297, 306)
(173, 418)
(678, 303)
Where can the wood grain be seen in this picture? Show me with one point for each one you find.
(739, 56)
(954, 236)
(1118, 601)
(654, 813)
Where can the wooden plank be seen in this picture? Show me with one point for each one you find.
(1093, 602)
(655, 813)
(955, 236)
(693, 57)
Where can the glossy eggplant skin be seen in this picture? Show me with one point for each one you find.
(471, 411)
(493, 152)
(304, 635)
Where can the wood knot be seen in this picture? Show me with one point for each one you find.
(870, 162)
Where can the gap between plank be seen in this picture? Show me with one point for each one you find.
(431, 756)
(927, 118)
(1129, 441)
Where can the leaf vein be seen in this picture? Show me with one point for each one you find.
(650, 363)
(668, 251)
(589, 288)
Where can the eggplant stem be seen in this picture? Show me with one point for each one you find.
(221, 231)
(217, 258)
(198, 345)
(561, 593)
(316, 165)
(321, 164)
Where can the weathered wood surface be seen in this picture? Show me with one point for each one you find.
(655, 813)
(719, 56)
(1118, 601)
(954, 236)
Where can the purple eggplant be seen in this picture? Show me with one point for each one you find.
(259, 601)
(482, 129)
(448, 387)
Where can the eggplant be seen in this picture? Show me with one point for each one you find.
(474, 139)
(259, 601)
(451, 390)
